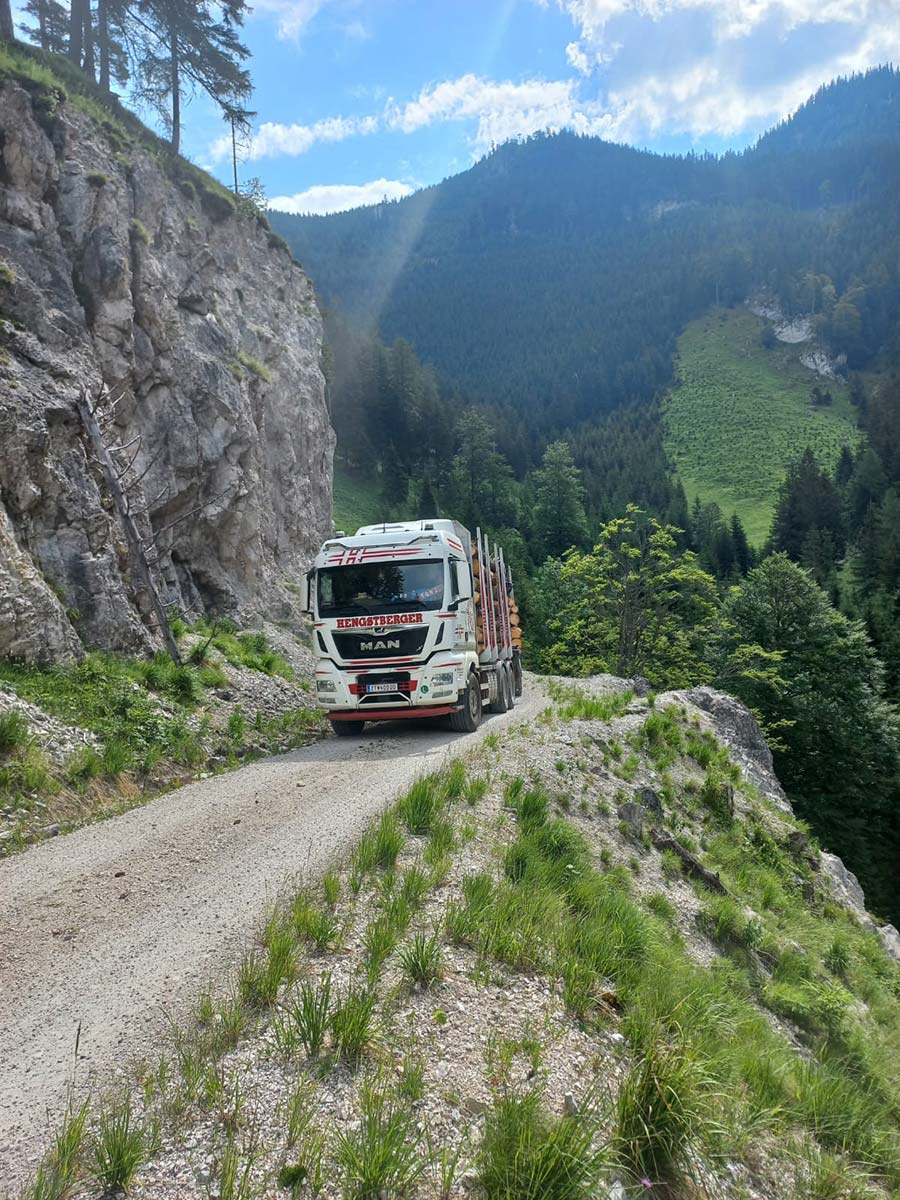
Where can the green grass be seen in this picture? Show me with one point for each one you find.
(740, 413)
(357, 501)
(382, 1156)
(527, 1154)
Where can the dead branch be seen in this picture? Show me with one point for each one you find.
(191, 513)
(691, 864)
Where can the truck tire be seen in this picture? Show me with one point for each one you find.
(348, 728)
(503, 702)
(467, 717)
(510, 689)
(517, 675)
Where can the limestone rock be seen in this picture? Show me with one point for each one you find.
(209, 335)
(737, 727)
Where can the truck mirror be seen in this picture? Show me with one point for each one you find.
(463, 581)
(305, 591)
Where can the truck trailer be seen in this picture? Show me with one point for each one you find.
(413, 619)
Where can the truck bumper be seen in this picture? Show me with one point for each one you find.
(392, 714)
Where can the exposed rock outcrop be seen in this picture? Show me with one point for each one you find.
(113, 273)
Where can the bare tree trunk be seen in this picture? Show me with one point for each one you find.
(76, 30)
(103, 40)
(42, 25)
(176, 89)
(6, 21)
(234, 154)
(132, 533)
(88, 64)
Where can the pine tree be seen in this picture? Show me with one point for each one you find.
(807, 500)
(51, 31)
(192, 45)
(558, 520)
(742, 550)
(840, 757)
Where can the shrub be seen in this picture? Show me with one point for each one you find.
(254, 366)
(139, 232)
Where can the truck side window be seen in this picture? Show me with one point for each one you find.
(455, 566)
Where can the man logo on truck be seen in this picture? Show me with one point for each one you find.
(390, 644)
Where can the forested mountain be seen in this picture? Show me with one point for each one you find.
(556, 274)
(499, 346)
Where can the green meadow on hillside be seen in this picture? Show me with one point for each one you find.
(357, 501)
(739, 413)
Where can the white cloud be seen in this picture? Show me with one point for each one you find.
(293, 16)
(338, 197)
(273, 140)
(722, 66)
(502, 110)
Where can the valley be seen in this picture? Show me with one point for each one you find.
(635, 935)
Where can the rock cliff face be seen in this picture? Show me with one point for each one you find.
(206, 333)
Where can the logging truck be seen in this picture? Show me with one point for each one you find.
(413, 619)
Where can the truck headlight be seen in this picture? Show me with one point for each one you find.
(442, 677)
(326, 685)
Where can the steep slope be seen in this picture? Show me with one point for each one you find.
(557, 273)
(740, 412)
(122, 268)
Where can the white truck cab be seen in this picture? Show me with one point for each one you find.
(401, 628)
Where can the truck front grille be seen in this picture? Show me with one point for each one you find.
(397, 643)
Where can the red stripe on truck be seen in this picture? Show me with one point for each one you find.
(390, 714)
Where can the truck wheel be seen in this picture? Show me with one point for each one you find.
(502, 703)
(467, 718)
(510, 689)
(348, 728)
(517, 675)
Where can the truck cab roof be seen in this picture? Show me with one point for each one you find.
(444, 536)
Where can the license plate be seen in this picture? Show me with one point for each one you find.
(381, 687)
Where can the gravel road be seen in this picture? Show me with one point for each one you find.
(115, 927)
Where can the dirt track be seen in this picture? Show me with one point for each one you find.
(116, 926)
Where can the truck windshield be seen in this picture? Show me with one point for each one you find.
(380, 588)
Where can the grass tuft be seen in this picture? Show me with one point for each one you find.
(382, 1157)
(121, 1147)
(422, 959)
(525, 1154)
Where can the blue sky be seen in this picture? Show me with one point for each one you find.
(363, 98)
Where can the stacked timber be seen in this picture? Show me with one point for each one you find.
(515, 623)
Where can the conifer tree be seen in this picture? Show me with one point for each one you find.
(559, 520)
(51, 30)
(191, 45)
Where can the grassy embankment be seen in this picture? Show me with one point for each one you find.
(153, 725)
(357, 501)
(740, 413)
(741, 1043)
